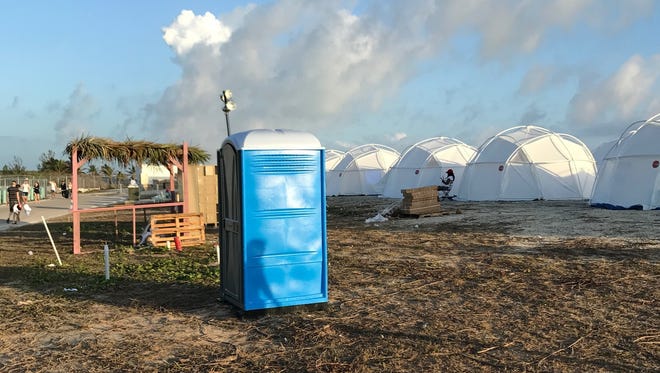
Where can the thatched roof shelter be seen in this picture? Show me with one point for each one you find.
(85, 149)
(133, 150)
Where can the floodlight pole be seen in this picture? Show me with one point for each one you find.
(229, 106)
(227, 120)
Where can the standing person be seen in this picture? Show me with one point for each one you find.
(37, 191)
(53, 188)
(14, 199)
(25, 189)
(63, 190)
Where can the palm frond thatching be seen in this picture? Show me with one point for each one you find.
(133, 150)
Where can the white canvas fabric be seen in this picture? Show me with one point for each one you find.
(425, 163)
(630, 175)
(601, 151)
(360, 170)
(332, 158)
(528, 163)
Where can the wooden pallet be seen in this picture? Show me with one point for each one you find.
(423, 192)
(188, 227)
(422, 210)
(420, 201)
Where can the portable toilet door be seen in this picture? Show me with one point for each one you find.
(272, 220)
(229, 219)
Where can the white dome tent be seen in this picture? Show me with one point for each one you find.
(424, 163)
(360, 170)
(529, 163)
(601, 150)
(630, 175)
(332, 158)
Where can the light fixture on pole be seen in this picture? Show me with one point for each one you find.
(229, 106)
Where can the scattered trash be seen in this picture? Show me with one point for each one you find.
(51, 265)
(72, 290)
(389, 209)
(64, 234)
(416, 225)
(30, 252)
(376, 219)
(146, 233)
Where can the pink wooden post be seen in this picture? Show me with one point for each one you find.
(75, 212)
(183, 167)
(184, 170)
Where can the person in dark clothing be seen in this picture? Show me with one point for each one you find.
(65, 192)
(36, 189)
(14, 202)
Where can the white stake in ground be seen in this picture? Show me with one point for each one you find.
(51, 240)
(106, 258)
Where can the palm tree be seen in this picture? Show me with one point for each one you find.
(120, 177)
(107, 171)
(93, 171)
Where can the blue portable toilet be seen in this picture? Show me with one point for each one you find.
(272, 219)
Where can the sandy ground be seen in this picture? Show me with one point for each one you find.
(526, 286)
(530, 218)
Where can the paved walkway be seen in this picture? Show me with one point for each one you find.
(59, 206)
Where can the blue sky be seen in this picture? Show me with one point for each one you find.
(350, 72)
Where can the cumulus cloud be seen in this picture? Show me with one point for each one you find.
(189, 30)
(626, 96)
(320, 66)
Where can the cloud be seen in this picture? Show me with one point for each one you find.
(190, 30)
(15, 103)
(75, 115)
(626, 96)
(542, 77)
(321, 66)
(532, 115)
(398, 137)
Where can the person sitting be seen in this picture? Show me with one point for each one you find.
(447, 182)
